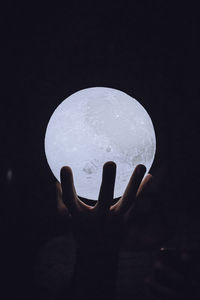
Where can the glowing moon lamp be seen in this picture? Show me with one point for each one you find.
(96, 125)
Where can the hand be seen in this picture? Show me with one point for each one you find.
(103, 225)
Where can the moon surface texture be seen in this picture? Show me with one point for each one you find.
(96, 125)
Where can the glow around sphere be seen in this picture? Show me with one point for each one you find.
(96, 125)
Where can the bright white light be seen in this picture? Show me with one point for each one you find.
(96, 125)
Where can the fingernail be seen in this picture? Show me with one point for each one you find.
(141, 168)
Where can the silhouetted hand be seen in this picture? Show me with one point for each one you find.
(99, 230)
(103, 225)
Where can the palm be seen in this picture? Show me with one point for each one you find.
(102, 222)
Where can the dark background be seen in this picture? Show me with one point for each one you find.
(146, 49)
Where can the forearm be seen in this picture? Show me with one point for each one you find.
(95, 272)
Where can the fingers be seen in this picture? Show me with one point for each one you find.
(59, 192)
(144, 186)
(69, 193)
(107, 185)
(143, 202)
(129, 195)
(62, 209)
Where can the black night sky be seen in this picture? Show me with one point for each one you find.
(148, 49)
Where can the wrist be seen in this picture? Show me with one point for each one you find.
(96, 272)
(97, 255)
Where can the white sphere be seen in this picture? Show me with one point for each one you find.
(96, 125)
